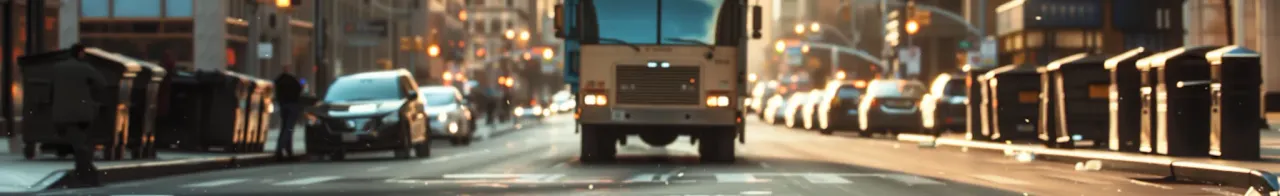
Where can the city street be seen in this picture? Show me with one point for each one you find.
(542, 160)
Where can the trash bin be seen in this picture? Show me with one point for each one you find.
(183, 127)
(142, 116)
(1074, 110)
(1182, 101)
(1014, 102)
(1236, 92)
(1125, 100)
(251, 109)
(976, 116)
(223, 123)
(267, 108)
(111, 128)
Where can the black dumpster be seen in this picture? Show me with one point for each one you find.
(1182, 101)
(1125, 100)
(1014, 102)
(112, 126)
(181, 128)
(227, 105)
(1236, 92)
(1074, 111)
(976, 128)
(142, 116)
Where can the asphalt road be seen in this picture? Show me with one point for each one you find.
(542, 160)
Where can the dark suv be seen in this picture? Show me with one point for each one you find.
(944, 107)
(891, 106)
(366, 112)
(840, 110)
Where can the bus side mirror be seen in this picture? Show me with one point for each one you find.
(559, 20)
(757, 21)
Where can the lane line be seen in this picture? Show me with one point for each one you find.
(641, 178)
(306, 181)
(735, 178)
(911, 180)
(216, 183)
(375, 169)
(1001, 179)
(552, 178)
(826, 179)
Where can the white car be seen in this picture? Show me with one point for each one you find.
(793, 107)
(772, 106)
(807, 110)
(562, 102)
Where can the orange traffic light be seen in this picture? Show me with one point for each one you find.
(912, 27)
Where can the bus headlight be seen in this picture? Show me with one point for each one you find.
(717, 101)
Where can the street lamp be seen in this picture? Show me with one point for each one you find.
(804, 48)
(462, 15)
(284, 3)
(840, 75)
(799, 28)
(524, 35)
(447, 77)
(814, 27)
(511, 34)
(752, 77)
(780, 46)
(547, 54)
(528, 56)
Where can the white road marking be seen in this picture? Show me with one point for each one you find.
(552, 178)
(375, 169)
(1001, 179)
(306, 181)
(826, 179)
(912, 180)
(216, 183)
(735, 178)
(641, 178)
(455, 156)
(1139, 182)
(481, 176)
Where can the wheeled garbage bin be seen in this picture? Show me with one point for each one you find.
(1014, 102)
(1236, 91)
(1182, 101)
(142, 116)
(1074, 110)
(1125, 101)
(223, 123)
(976, 127)
(266, 90)
(182, 127)
(111, 129)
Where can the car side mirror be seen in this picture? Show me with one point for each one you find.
(559, 20)
(757, 21)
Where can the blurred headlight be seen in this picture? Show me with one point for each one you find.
(537, 108)
(442, 117)
(717, 101)
(519, 111)
(453, 128)
(596, 100)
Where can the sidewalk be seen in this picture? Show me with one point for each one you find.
(21, 175)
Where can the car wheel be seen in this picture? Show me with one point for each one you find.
(826, 131)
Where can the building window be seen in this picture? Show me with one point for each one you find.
(511, 3)
(95, 8)
(136, 8)
(178, 8)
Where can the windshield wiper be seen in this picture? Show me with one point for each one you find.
(710, 48)
(615, 40)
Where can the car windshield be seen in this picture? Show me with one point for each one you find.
(439, 99)
(633, 21)
(350, 89)
(955, 88)
(895, 89)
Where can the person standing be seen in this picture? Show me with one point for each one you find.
(288, 90)
(78, 89)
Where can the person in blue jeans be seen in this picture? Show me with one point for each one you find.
(288, 91)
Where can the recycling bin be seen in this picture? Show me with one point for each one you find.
(1125, 101)
(222, 127)
(1074, 110)
(1014, 102)
(1182, 101)
(146, 86)
(1236, 90)
(108, 132)
(250, 106)
(976, 127)
(265, 91)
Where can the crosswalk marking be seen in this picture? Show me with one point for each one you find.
(306, 181)
(216, 183)
(735, 178)
(641, 178)
(826, 179)
(912, 180)
(1001, 179)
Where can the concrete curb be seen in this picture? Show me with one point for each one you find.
(119, 173)
(1137, 163)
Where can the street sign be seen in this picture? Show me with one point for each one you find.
(265, 50)
(910, 59)
(988, 51)
(974, 59)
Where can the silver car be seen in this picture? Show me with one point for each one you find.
(450, 115)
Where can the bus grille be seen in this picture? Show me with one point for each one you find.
(677, 85)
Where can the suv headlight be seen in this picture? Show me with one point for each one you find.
(442, 117)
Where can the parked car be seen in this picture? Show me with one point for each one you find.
(563, 101)
(369, 111)
(450, 113)
(891, 106)
(806, 113)
(840, 109)
(792, 108)
(773, 111)
(759, 97)
(943, 109)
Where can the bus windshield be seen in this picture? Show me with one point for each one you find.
(672, 22)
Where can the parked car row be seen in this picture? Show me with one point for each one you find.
(885, 106)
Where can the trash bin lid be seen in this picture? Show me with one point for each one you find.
(1162, 60)
(1082, 60)
(1139, 52)
(130, 65)
(1016, 69)
(157, 72)
(1215, 57)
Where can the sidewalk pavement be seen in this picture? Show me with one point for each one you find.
(1259, 174)
(21, 175)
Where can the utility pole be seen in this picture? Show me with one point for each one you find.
(6, 61)
(321, 74)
